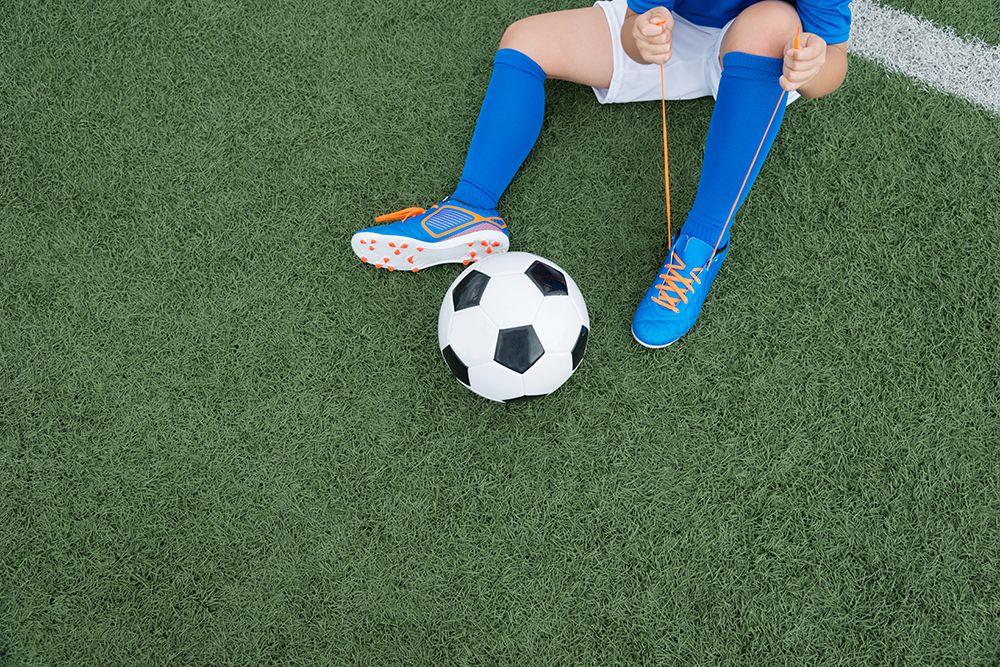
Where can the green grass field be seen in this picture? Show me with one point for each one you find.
(225, 441)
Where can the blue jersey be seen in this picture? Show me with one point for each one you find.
(830, 19)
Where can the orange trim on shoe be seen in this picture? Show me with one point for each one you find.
(476, 220)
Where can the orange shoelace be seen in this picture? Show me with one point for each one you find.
(401, 215)
(673, 281)
(732, 211)
(666, 163)
(675, 285)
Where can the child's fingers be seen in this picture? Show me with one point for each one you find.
(661, 16)
(656, 22)
(799, 74)
(656, 58)
(802, 64)
(811, 48)
(656, 54)
(653, 33)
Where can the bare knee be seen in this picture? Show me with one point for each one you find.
(572, 44)
(521, 36)
(763, 29)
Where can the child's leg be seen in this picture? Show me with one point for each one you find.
(572, 45)
(746, 106)
(749, 107)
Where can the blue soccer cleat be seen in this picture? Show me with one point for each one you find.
(448, 232)
(670, 307)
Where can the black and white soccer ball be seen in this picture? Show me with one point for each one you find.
(513, 327)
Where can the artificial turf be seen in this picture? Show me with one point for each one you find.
(225, 441)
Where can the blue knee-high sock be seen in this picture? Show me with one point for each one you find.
(745, 105)
(508, 126)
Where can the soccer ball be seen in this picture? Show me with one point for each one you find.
(513, 327)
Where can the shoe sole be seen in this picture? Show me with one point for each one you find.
(653, 347)
(403, 253)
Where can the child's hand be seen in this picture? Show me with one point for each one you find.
(804, 63)
(653, 33)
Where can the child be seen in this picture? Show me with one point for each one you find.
(746, 53)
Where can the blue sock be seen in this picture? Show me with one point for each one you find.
(508, 126)
(748, 93)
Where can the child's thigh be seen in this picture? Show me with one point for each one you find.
(572, 45)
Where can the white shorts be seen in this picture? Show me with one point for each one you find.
(693, 70)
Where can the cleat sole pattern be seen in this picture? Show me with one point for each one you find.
(386, 251)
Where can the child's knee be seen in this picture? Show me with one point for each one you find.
(520, 36)
(777, 13)
(763, 29)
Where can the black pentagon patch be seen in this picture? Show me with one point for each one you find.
(549, 279)
(580, 347)
(522, 399)
(459, 369)
(470, 290)
(518, 348)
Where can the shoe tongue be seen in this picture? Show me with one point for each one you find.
(695, 252)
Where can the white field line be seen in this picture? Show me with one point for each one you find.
(934, 56)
